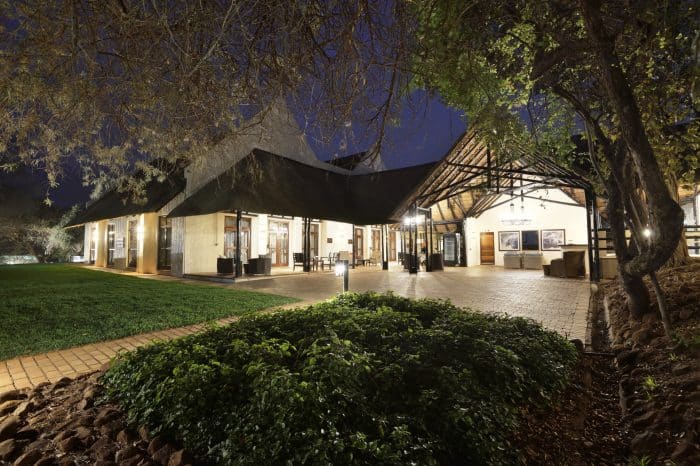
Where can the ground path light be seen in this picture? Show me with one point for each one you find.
(342, 269)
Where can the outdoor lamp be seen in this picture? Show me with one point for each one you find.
(342, 269)
(646, 232)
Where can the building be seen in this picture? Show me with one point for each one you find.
(269, 193)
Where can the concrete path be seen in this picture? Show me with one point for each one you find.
(558, 304)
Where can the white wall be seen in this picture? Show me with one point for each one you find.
(553, 216)
(340, 232)
(203, 244)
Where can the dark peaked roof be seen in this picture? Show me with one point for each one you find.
(265, 182)
(113, 204)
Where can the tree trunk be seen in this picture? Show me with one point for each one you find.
(638, 299)
(680, 256)
(665, 215)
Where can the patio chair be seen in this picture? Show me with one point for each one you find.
(375, 258)
(332, 259)
(298, 260)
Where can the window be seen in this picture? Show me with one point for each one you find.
(313, 237)
(110, 244)
(133, 244)
(165, 228)
(230, 238)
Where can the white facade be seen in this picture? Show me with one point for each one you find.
(550, 217)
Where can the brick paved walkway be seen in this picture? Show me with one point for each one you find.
(558, 304)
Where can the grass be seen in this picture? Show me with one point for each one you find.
(50, 307)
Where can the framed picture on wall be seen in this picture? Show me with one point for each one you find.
(553, 239)
(509, 241)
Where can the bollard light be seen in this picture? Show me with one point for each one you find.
(342, 269)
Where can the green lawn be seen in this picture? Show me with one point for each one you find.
(49, 307)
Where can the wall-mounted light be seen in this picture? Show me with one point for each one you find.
(646, 232)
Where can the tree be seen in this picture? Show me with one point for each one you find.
(577, 56)
(29, 227)
(122, 82)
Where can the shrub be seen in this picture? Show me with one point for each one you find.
(361, 379)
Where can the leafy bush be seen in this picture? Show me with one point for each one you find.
(361, 379)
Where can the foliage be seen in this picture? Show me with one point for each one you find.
(77, 78)
(360, 379)
(29, 227)
(49, 307)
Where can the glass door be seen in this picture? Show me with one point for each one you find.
(359, 244)
(165, 228)
(93, 245)
(110, 244)
(133, 244)
(230, 238)
(279, 243)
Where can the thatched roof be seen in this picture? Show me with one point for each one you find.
(265, 182)
(117, 204)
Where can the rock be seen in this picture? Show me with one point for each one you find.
(63, 435)
(23, 408)
(685, 314)
(644, 442)
(8, 406)
(8, 449)
(12, 395)
(8, 427)
(83, 433)
(162, 456)
(146, 462)
(105, 463)
(644, 420)
(61, 383)
(642, 336)
(103, 449)
(650, 318)
(86, 421)
(83, 405)
(28, 458)
(66, 462)
(48, 460)
(627, 357)
(126, 453)
(179, 458)
(156, 444)
(39, 444)
(70, 444)
(127, 436)
(90, 393)
(27, 433)
(112, 428)
(106, 415)
(684, 448)
(680, 369)
(40, 386)
(144, 433)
